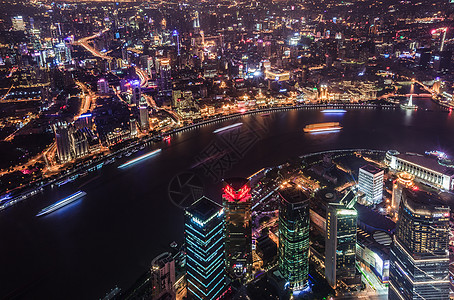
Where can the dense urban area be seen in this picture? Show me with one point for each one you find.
(88, 85)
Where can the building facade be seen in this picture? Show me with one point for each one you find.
(419, 259)
(340, 243)
(294, 222)
(370, 182)
(425, 168)
(236, 199)
(205, 254)
(163, 275)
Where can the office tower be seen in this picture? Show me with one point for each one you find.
(136, 92)
(18, 23)
(294, 236)
(404, 180)
(163, 275)
(422, 57)
(236, 199)
(204, 237)
(79, 144)
(165, 83)
(132, 127)
(419, 259)
(370, 182)
(62, 139)
(442, 61)
(143, 117)
(340, 243)
(196, 23)
(103, 86)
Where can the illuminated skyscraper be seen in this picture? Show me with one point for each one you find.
(136, 92)
(163, 275)
(103, 86)
(204, 237)
(62, 139)
(419, 256)
(165, 83)
(294, 236)
(340, 241)
(238, 236)
(143, 117)
(370, 182)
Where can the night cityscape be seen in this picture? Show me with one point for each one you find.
(227, 149)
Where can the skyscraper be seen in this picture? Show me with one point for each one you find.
(419, 256)
(238, 241)
(204, 237)
(62, 139)
(103, 86)
(143, 117)
(294, 236)
(370, 182)
(136, 92)
(163, 275)
(165, 83)
(340, 243)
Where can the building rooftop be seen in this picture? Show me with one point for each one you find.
(293, 194)
(424, 200)
(371, 169)
(204, 208)
(429, 162)
(236, 182)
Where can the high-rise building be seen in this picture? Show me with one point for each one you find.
(204, 237)
(442, 61)
(143, 117)
(165, 83)
(404, 180)
(62, 139)
(79, 144)
(163, 275)
(340, 243)
(419, 259)
(370, 182)
(294, 236)
(136, 92)
(103, 86)
(236, 199)
(18, 23)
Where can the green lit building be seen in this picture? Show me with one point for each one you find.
(294, 236)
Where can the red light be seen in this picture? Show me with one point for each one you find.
(242, 195)
(415, 188)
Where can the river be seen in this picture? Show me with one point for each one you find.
(110, 236)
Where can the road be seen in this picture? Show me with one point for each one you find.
(84, 42)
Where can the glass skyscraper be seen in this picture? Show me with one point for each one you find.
(294, 236)
(340, 243)
(238, 240)
(204, 238)
(419, 256)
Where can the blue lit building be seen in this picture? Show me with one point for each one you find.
(204, 237)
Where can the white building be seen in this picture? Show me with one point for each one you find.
(18, 23)
(103, 86)
(426, 168)
(370, 182)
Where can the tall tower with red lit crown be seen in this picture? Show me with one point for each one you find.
(236, 200)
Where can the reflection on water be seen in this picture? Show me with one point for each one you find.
(126, 218)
